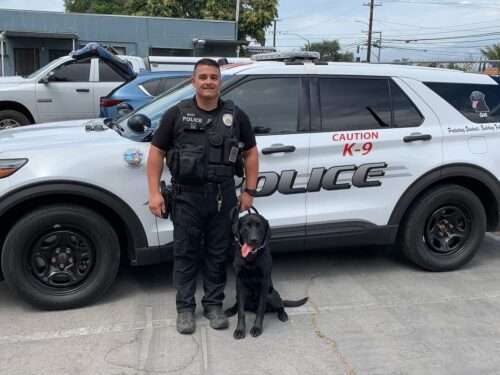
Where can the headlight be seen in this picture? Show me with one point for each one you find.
(9, 166)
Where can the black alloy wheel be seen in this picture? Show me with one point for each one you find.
(443, 229)
(59, 257)
(447, 229)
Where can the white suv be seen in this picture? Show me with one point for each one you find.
(349, 154)
(67, 88)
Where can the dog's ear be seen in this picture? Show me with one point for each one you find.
(268, 229)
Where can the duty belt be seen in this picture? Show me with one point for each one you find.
(208, 187)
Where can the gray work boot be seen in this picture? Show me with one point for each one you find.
(218, 319)
(185, 322)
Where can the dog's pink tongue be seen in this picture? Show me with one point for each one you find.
(245, 250)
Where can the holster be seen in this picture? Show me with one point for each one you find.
(168, 196)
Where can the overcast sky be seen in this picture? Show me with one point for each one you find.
(409, 27)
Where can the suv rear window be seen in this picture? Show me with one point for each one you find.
(479, 103)
(365, 103)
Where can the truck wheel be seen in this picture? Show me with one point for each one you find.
(12, 119)
(60, 257)
(444, 228)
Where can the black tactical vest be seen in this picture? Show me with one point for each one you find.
(205, 148)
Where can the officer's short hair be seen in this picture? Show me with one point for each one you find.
(206, 61)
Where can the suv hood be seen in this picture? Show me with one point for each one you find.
(48, 136)
(11, 80)
(122, 67)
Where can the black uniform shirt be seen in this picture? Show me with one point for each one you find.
(164, 135)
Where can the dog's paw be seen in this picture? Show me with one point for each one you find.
(256, 331)
(239, 334)
(283, 316)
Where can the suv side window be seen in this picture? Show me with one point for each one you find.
(168, 83)
(107, 74)
(72, 71)
(158, 86)
(151, 86)
(405, 114)
(269, 102)
(354, 103)
(479, 103)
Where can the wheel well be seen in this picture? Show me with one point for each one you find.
(15, 213)
(17, 107)
(484, 194)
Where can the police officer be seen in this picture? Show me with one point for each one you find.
(206, 141)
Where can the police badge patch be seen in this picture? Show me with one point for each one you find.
(227, 119)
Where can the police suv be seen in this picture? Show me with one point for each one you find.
(350, 154)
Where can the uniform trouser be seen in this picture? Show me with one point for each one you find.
(197, 218)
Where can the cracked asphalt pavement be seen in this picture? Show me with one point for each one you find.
(369, 312)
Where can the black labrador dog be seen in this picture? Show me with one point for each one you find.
(252, 265)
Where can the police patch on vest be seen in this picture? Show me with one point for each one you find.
(227, 119)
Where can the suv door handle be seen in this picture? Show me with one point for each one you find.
(277, 149)
(417, 137)
(82, 90)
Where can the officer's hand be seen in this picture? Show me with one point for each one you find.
(157, 204)
(246, 201)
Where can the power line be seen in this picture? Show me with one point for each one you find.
(451, 45)
(446, 3)
(445, 37)
(327, 18)
(496, 28)
(492, 38)
(494, 31)
(434, 27)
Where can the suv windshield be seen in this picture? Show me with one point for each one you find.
(38, 71)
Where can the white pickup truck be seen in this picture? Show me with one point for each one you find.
(65, 89)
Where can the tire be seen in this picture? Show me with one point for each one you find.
(444, 228)
(11, 119)
(60, 257)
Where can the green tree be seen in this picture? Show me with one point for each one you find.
(166, 8)
(255, 15)
(492, 53)
(330, 51)
(96, 6)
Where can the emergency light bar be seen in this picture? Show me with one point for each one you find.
(287, 56)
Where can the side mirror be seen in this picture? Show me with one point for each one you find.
(139, 123)
(47, 78)
(123, 109)
(261, 130)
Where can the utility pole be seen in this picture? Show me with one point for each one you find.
(376, 44)
(274, 34)
(379, 43)
(237, 19)
(370, 25)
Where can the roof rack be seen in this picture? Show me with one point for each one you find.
(289, 57)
